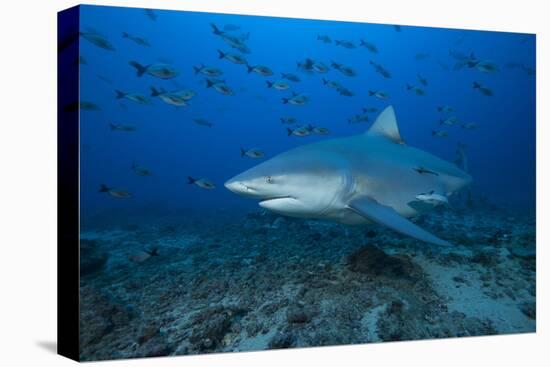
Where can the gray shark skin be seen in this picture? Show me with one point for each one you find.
(372, 177)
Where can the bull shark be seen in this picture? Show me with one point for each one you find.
(371, 177)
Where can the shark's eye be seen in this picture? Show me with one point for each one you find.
(268, 179)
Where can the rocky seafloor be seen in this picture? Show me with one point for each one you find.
(203, 283)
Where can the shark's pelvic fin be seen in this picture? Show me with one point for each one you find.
(385, 215)
(386, 126)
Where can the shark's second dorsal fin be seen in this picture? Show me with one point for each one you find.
(386, 126)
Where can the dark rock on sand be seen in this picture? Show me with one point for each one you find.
(282, 340)
(373, 261)
(298, 315)
(92, 259)
(529, 309)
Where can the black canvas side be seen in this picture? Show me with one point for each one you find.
(67, 183)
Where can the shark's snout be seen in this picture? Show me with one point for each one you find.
(236, 186)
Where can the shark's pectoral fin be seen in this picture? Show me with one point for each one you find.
(388, 217)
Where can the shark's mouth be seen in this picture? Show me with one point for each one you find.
(263, 201)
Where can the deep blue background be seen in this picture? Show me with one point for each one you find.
(501, 151)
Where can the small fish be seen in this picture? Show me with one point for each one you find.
(449, 121)
(231, 27)
(324, 38)
(296, 99)
(469, 126)
(422, 80)
(331, 83)
(234, 58)
(219, 86)
(202, 122)
(177, 98)
(162, 71)
(149, 13)
(233, 41)
(104, 78)
(300, 131)
(369, 109)
(201, 182)
(487, 67)
(260, 69)
(208, 71)
(416, 90)
(139, 257)
(346, 70)
(528, 70)
(288, 120)
(135, 97)
(291, 77)
(252, 153)
(117, 193)
(397, 28)
(320, 67)
(421, 56)
(484, 90)
(445, 109)
(345, 92)
(344, 43)
(120, 127)
(432, 198)
(369, 46)
(138, 40)
(279, 85)
(459, 56)
(423, 171)
(140, 170)
(443, 65)
(305, 66)
(82, 105)
(378, 94)
(380, 69)
(358, 119)
(440, 133)
(319, 130)
(97, 40)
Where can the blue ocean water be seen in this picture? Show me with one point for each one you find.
(501, 150)
(294, 266)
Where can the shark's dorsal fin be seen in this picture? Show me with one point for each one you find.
(386, 126)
